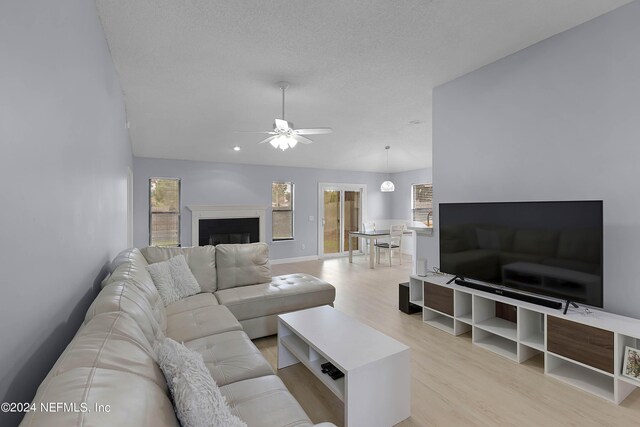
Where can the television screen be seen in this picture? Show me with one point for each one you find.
(547, 248)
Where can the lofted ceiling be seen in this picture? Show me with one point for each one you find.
(193, 72)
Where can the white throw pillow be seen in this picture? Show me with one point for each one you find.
(183, 279)
(161, 275)
(197, 399)
(174, 279)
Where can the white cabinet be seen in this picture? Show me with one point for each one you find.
(585, 351)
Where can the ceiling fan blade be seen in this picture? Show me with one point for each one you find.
(314, 131)
(267, 139)
(282, 125)
(302, 139)
(270, 132)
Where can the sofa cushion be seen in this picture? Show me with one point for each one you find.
(283, 294)
(231, 357)
(265, 402)
(132, 399)
(242, 264)
(201, 322)
(127, 298)
(201, 261)
(196, 397)
(131, 268)
(111, 341)
(191, 303)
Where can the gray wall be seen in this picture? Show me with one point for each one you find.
(207, 183)
(556, 121)
(64, 156)
(401, 202)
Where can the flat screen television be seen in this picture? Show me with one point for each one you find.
(553, 249)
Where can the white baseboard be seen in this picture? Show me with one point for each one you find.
(296, 259)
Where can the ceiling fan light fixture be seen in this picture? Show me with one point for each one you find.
(283, 142)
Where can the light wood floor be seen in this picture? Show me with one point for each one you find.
(453, 382)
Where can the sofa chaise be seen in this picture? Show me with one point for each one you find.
(108, 374)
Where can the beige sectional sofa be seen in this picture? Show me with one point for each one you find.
(108, 375)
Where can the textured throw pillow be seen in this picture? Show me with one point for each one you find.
(197, 399)
(161, 276)
(174, 279)
(183, 279)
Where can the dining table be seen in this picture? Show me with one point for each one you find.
(371, 236)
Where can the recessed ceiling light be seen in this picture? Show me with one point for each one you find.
(416, 122)
(236, 148)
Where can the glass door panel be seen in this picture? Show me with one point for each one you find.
(352, 218)
(331, 221)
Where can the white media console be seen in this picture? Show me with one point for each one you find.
(584, 350)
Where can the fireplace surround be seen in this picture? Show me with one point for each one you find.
(204, 232)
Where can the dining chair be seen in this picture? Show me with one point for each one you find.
(391, 242)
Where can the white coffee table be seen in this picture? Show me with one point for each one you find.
(376, 388)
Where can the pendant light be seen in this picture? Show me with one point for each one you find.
(387, 186)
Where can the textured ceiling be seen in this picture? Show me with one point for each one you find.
(194, 71)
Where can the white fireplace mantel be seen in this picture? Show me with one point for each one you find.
(199, 212)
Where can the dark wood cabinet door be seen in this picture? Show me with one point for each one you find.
(438, 298)
(586, 344)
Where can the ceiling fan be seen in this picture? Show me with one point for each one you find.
(283, 135)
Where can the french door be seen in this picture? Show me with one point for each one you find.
(341, 209)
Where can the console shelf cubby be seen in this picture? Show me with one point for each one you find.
(415, 292)
(495, 343)
(625, 385)
(438, 320)
(531, 328)
(486, 316)
(585, 351)
(580, 376)
(462, 307)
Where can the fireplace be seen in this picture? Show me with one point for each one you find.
(227, 224)
(228, 230)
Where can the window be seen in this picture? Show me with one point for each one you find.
(164, 212)
(282, 210)
(422, 203)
